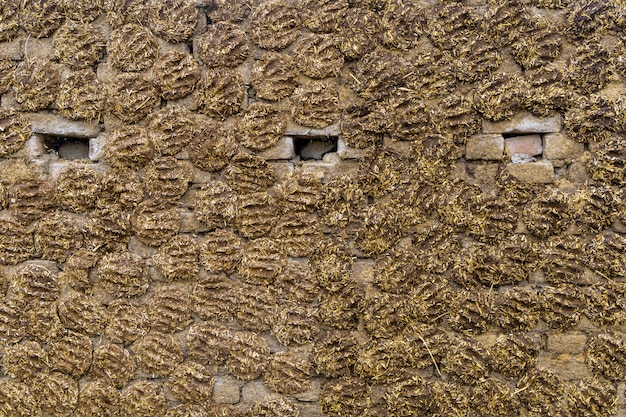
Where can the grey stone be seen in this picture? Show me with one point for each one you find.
(35, 146)
(346, 152)
(330, 130)
(74, 149)
(226, 390)
(541, 172)
(559, 146)
(282, 150)
(254, 391)
(485, 147)
(96, 147)
(50, 124)
(525, 123)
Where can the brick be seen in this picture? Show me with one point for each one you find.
(254, 391)
(541, 172)
(525, 123)
(569, 342)
(283, 150)
(346, 152)
(559, 146)
(226, 390)
(527, 144)
(486, 147)
(50, 124)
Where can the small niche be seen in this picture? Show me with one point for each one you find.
(309, 148)
(67, 148)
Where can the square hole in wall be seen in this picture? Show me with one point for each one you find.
(314, 147)
(66, 147)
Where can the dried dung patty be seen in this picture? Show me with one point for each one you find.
(216, 205)
(70, 353)
(476, 59)
(171, 129)
(538, 45)
(275, 25)
(500, 97)
(493, 398)
(123, 274)
(260, 127)
(514, 354)
(167, 179)
(604, 305)
(341, 201)
(249, 174)
(81, 96)
(209, 343)
(77, 188)
(57, 393)
(562, 259)
(548, 214)
(562, 305)
(341, 309)
(606, 254)
(155, 223)
(213, 147)
(191, 382)
(132, 48)
(323, 16)
(223, 45)
(288, 372)
(609, 162)
(220, 93)
(176, 74)
(122, 188)
(158, 353)
(128, 147)
(177, 259)
(299, 191)
(172, 20)
(318, 56)
(57, 236)
(451, 22)
(334, 353)
(43, 323)
(589, 18)
(589, 69)
(9, 21)
(128, 321)
(363, 125)
(34, 284)
(7, 68)
(36, 84)
(378, 74)
(403, 23)
(214, 298)
(358, 33)
(298, 233)
(143, 398)
(83, 10)
(249, 355)
(551, 93)
(14, 131)
(255, 307)
(98, 399)
(82, 314)
(131, 97)
(40, 18)
(262, 261)
(24, 361)
(592, 397)
(12, 321)
(78, 45)
(346, 396)
(471, 312)
(195, 410)
(316, 104)
(467, 362)
(234, 11)
(605, 354)
(592, 119)
(296, 283)
(121, 12)
(170, 309)
(114, 365)
(331, 264)
(273, 76)
(221, 251)
(540, 391)
(108, 231)
(295, 324)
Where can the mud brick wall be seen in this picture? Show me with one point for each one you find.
(312, 207)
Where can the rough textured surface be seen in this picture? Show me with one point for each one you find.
(167, 247)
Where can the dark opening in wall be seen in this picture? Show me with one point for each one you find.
(314, 147)
(67, 148)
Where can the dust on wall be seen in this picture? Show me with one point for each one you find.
(316, 207)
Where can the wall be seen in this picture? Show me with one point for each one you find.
(316, 207)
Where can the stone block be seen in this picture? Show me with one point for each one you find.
(253, 392)
(525, 123)
(567, 366)
(165, 47)
(528, 145)
(486, 147)
(313, 393)
(541, 172)
(13, 49)
(559, 146)
(346, 152)
(283, 150)
(39, 48)
(35, 146)
(568, 342)
(189, 223)
(226, 390)
(50, 124)
(96, 147)
(282, 168)
(486, 173)
(7, 101)
(297, 130)
(363, 271)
